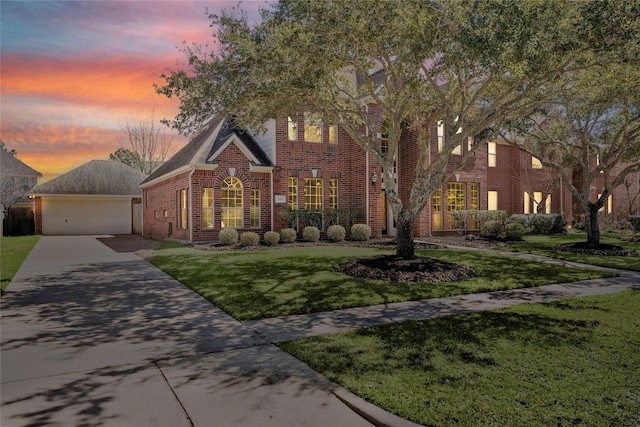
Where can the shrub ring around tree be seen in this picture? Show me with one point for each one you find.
(397, 269)
(602, 249)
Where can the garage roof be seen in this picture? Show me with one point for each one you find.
(98, 177)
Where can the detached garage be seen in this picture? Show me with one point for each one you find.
(95, 198)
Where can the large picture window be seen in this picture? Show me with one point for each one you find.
(313, 193)
(254, 215)
(207, 208)
(231, 200)
(292, 193)
(455, 202)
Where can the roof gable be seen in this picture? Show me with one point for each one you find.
(12, 166)
(207, 144)
(97, 177)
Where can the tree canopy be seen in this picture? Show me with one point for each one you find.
(473, 66)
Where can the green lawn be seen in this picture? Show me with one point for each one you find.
(575, 362)
(13, 250)
(252, 285)
(542, 245)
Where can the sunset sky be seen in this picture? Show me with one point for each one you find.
(72, 72)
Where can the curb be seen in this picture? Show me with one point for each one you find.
(370, 412)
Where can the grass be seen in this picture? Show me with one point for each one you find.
(13, 250)
(253, 285)
(542, 245)
(574, 362)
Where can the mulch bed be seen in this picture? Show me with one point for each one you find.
(601, 249)
(397, 269)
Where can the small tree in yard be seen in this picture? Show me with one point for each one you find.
(148, 145)
(473, 66)
(592, 130)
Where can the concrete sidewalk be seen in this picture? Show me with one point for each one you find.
(91, 336)
(95, 337)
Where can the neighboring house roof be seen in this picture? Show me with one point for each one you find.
(207, 144)
(11, 166)
(97, 177)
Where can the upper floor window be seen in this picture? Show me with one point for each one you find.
(440, 136)
(333, 134)
(312, 127)
(492, 149)
(536, 163)
(231, 201)
(292, 128)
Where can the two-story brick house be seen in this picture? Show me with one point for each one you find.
(229, 177)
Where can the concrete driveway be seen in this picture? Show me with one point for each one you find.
(95, 337)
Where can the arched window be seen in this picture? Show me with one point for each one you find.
(231, 199)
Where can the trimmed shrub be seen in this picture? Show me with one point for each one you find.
(634, 220)
(271, 238)
(336, 233)
(360, 232)
(521, 219)
(514, 231)
(249, 238)
(311, 234)
(228, 236)
(559, 224)
(492, 229)
(542, 224)
(288, 235)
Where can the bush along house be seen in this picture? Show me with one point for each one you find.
(302, 172)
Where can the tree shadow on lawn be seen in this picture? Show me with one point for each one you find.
(291, 285)
(467, 338)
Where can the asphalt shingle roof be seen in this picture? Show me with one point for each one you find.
(97, 177)
(214, 134)
(12, 166)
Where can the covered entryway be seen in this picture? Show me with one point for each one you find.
(86, 215)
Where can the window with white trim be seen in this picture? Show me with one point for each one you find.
(313, 193)
(207, 207)
(231, 201)
(254, 214)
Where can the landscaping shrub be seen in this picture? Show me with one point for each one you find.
(271, 238)
(249, 238)
(288, 235)
(360, 232)
(311, 234)
(228, 236)
(634, 220)
(521, 219)
(336, 233)
(514, 231)
(548, 224)
(492, 229)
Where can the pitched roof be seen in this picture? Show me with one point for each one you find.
(203, 148)
(97, 177)
(11, 166)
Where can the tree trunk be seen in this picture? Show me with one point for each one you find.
(404, 238)
(591, 223)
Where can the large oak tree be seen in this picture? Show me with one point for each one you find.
(472, 65)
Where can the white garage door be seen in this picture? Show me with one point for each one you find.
(90, 215)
